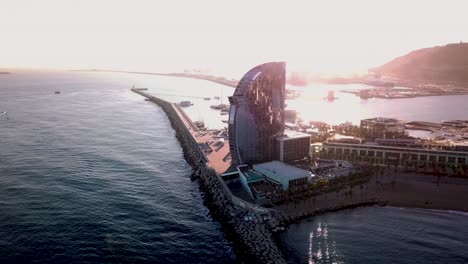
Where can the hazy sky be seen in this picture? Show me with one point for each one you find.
(317, 36)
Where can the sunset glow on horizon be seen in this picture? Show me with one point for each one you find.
(331, 37)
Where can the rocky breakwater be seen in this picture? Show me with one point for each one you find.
(249, 229)
(192, 152)
(302, 214)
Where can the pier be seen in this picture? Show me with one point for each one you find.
(248, 224)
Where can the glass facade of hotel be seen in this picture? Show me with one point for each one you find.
(256, 115)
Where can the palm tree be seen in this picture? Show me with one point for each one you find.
(405, 165)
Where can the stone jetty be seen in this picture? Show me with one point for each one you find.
(248, 225)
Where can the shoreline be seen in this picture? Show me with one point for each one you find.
(379, 93)
(388, 188)
(216, 79)
(253, 232)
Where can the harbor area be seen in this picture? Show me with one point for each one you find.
(287, 197)
(248, 225)
(213, 142)
(260, 173)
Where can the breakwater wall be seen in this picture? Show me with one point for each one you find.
(192, 152)
(293, 218)
(249, 225)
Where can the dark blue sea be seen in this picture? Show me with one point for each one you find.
(379, 235)
(95, 175)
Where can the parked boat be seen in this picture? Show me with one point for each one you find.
(206, 98)
(57, 92)
(185, 103)
(219, 106)
(225, 111)
(199, 124)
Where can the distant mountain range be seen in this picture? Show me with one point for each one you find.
(441, 63)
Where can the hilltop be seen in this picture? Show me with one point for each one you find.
(440, 63)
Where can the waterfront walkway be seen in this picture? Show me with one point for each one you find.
(216, 148)
(218, 158)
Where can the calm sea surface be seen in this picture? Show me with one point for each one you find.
(379, 235)
(96, 175)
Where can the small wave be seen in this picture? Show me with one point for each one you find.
(454, 212)
(436, 211)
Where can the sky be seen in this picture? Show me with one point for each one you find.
(332, 37)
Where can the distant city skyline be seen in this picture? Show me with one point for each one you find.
(226, 37)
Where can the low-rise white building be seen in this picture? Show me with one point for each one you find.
(286, 175)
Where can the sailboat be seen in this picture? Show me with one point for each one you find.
(200, 123)
(220, 106)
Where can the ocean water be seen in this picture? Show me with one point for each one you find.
(379, 235)
(95, 175)
(348, 107)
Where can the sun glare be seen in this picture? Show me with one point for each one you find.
(323, 37)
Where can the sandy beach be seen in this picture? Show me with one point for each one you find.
(392, 188)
